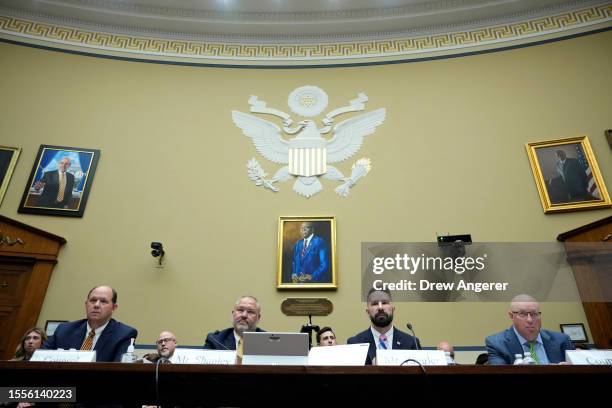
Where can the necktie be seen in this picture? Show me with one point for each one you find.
(240, 349)
(88, 343)
(304, 249)
(533, 352)
(62, 187)
(383, 342)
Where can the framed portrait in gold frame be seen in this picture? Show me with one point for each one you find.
(307, 253)
(567, 175)
(8, 161)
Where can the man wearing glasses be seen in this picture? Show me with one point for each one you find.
(166, 343)
(526, 336)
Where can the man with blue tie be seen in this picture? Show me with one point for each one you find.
(99, 332)
(526, 336)
(382, 334)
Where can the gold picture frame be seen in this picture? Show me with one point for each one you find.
(8, 161)
(567, 175)
(307, 262)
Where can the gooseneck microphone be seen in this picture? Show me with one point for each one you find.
(416, 341)
(217, 342)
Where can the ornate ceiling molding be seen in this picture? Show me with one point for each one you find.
(519, 28)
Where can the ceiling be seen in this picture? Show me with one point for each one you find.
(285, 19)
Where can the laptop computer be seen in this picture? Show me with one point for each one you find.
(267, 348)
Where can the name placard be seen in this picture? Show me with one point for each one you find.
(589, 357)
(64, 356)
(397, 357)
(195, 356)
(343, 355)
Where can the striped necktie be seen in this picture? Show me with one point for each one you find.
(383, 342)
(304, 248)
(533, 352)
(88, 343)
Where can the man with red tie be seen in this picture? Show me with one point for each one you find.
(99, 332)
(310, 257)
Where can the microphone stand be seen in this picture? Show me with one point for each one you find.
(309, 328)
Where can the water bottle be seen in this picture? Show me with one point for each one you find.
(129, 356)
(449, 359)
(528, 360)
(518, 359)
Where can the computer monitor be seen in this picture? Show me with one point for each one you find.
(267, 348)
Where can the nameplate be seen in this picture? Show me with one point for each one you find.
(195, 356)
(397, 357)
(589, 357)
(64, 356)
(344, 355)
(307, 307)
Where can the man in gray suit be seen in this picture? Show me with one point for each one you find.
(526, 336)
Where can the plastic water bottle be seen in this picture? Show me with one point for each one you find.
(449, 359)
(528, 360)
(129, 356)
(518, 359)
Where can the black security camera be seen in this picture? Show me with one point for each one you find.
(158, 250)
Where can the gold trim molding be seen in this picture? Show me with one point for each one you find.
(141, 46)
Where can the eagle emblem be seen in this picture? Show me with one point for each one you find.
(302, 149)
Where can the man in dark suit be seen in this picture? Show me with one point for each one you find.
(310, 257)
(574, 176)
(57, 186)
(382, 334)
(245, 318)
(99, 332)
(526, 336)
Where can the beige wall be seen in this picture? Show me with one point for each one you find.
(450, 157)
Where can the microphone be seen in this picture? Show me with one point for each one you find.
(217, 342)
(416, 341)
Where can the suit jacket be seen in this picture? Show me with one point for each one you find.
(217, 339)
(49, 194)
(503, 346)
(401, 341)
(575, 178)
(112, 343)
(314, 261)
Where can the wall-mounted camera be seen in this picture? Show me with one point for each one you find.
(454, 245)
(158, 251)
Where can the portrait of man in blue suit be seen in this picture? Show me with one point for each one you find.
(527, 336)
(310, 260)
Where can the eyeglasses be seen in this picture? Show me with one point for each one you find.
(525, 315)
(162, 341)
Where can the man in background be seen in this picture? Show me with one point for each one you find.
(166, 344)
(326, 337)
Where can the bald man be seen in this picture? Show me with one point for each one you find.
(527, 336)
(57, 186)
(166, 344)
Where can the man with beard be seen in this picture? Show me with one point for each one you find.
(245, 317)
(526, 336)
(381, 334)
(166, 343)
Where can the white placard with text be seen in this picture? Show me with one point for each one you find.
(200, 356)
(397, 357)
(589, 357)
(64, 356)
(344, 355)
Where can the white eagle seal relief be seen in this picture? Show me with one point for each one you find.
(308, 155)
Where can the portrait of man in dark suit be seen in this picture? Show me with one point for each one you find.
(60, 181)
(57, 186)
